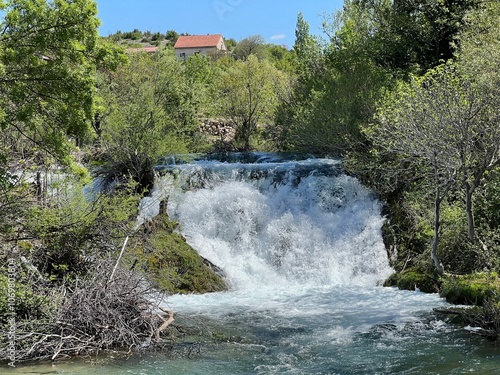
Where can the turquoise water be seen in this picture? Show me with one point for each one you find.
(300, 244)
(323, 331)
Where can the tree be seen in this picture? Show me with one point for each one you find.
(249, 92)
(405, 125)
(48, 57)
(47, 68)
(414, 36)
(478, 67)
(171, 36)
(307, 49)
(449, 121)
(252, 45)
(281, 57)
(230, 44)
(337, 86)
(152, 112)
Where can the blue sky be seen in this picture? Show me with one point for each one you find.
(273, 19)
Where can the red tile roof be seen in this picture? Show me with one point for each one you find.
(195, 41)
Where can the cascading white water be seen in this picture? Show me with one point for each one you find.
(322, 230)
(300, 244)
(282, 224)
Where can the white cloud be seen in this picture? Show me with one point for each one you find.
(278, 36)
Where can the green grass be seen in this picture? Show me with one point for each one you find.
(471, 289)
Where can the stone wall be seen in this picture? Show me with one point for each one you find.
(218, 127)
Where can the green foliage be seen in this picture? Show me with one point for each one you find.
(307, 49)
(230, 44)
(151, 112)
(249, 95)
(447, 121)
(331, 117)
(252, 45)
(282, 58)
(133, 35)
(77, 227)
(201, 73)
(336, 91)
(488, 201)
(471, 289)
(47, 64)
(404, 36)
(172, 37)
(109, 56)
(371, 43)
(25, 302)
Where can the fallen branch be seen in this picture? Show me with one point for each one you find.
(118, 260)
(166, 322)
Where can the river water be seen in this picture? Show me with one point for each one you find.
(300, 245)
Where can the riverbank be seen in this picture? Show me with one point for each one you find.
(107, 302)
(480, 291)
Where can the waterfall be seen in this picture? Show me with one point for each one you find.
(300, 243)
(279, 222)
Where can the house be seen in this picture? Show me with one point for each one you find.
(207, 45)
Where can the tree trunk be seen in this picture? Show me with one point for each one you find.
(471, 231)
(435, 241)
(39, 187)
(247, 143)
(245, 133)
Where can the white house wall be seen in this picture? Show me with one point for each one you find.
(192, 51)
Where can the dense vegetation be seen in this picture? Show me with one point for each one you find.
(407, 92)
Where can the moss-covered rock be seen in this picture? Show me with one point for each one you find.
(170, 263)
(412, 279)
(473, 289)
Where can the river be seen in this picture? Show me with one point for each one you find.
(300, 244)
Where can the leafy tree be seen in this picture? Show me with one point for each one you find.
(252, 45)
(307, 49)
(151, 113)
(249, 92)
(407, 126)
(410, 36)
(230, 44)
(49, 51)
(282, 58)
(451, 122)
(136, 34)
(116, 37)
(171, 36)
(113, 56)
(337, 86)
(478, 66)
(47, 68)
(307, 66)
(201, 73)
(78, 227)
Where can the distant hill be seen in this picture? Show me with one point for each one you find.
(139, 39)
